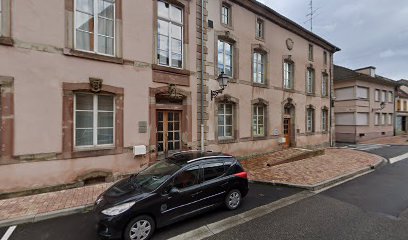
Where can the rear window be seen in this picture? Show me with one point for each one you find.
(213, 170)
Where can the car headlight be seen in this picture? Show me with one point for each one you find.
(116, 210)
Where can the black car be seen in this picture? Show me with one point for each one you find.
(185, 184)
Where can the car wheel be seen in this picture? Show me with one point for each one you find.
(233, 199)
(140, 228)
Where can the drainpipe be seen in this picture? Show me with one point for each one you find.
(202, 76)
(331, 102)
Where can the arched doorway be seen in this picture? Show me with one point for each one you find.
(289, 124)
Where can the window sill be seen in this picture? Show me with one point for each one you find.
(229, 26)
(226, 140)
(8, 41)
(260, 39)
(289, 90)
(259, 138)
(311, 94)
(310, 133)
(260, 85)
(94, 152)
(92, 56)
(171, 70)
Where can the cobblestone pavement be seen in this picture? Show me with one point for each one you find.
(49, 202)
(394, 140)
(315, 170)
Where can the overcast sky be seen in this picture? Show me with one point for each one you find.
(369, 32)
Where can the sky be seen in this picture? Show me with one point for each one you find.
(369, 32)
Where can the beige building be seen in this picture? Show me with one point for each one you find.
(401, 108)
(95, 89)
(364, 105)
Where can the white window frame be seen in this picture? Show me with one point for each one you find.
(377, 95)
(325, 118)
(95, 122)
(96, 29)
(366, 119)
(390, 96)
(365, 89)
(224, 58)
(310, 79)
(325, 85)
(383, 118)
(224, 114)
(259, 28)
(288, 75)
(1, 17)
(390, 118)
(383, 96)
(310, 120)
(226, 14)
(255, 117)
(310, 52)
(170, 44)
(377, 119)
(258, 61)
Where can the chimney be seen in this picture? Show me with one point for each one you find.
(370, 71)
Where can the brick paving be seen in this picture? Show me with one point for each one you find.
(395, 140)
(315, 170)
(49, 202)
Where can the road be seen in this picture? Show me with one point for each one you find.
(373, 206)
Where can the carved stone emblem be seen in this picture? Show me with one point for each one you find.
(95, 84)
(289, 43)
(172, 92)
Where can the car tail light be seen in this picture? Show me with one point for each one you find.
(241, 175)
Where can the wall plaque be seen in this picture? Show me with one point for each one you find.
(142, 127)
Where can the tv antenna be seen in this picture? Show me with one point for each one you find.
(313, 13)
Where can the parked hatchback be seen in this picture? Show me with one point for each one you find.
(185, 184)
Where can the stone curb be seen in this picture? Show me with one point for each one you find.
(328, 182)
(44, 216)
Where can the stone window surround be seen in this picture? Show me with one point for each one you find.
(310, 52)
(325, 108)
(235, 118)
(7, 119)
(230, 20)
(260, 20)
(69, 49)
(68, 150)
(5, 28)
(230, 38)
(167, 74)
(186, 118)
(325, 74)
(310, 107)
(265, 104)
(288, 59)
(259, 48)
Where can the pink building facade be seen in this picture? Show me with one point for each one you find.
(85, 81)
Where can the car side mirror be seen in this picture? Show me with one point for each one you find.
(174, 191)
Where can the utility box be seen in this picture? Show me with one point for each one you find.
(139, 150)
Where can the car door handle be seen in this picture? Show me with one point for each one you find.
(196, 193)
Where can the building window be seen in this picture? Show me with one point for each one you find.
(362, 93)
(94, 120)
(383, 117)
(390, 96)
(95, 26)
(226, 14)
(310, 78)
(377, 95)
(170, 35)
(310, 53)
(258, 120)
(259, 68)
(325, 118)
(310, 120)
(225, 58)
(405, 107)
(259, 28)
(325, 85)
(377, 119)
(288, 71)
(399, 105)
(225, 120)
(1, 15)
(383, 94)
(325, 58)
(362, 119)
(389, 119)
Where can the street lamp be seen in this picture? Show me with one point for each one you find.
(382, 106)
(223, 82)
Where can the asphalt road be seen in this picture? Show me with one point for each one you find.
(82, 226)
(374, 206)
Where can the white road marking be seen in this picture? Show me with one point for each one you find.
(399, 158)
(8, 233)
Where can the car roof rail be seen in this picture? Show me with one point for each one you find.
(208, 157)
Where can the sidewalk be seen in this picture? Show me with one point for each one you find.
(394, 140)
(317, 172)
(46, 205)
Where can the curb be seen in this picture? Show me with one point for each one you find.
(329, 182)
(44, 216)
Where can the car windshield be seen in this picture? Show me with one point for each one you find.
(150, 178)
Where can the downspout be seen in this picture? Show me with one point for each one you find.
(331, 102)
(202, 76)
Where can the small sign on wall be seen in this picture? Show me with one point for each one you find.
(142, 127)
(276, 132)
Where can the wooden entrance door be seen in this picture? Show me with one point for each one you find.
(168, 132)
(287, 131)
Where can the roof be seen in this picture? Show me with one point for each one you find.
(346, 74)
(182, 158)
(284, 22)
(401, 93)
